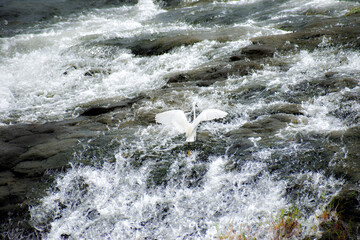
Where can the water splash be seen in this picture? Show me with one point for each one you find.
(153, 189)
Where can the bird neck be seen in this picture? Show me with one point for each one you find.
(194, 113)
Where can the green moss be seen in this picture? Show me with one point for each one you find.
(353, 10)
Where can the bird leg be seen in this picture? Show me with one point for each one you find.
(189, 153)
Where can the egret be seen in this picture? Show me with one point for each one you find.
(177, 120)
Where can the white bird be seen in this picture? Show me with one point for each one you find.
(177, 120)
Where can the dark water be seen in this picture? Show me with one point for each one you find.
(18, 16)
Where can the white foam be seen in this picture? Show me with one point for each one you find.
(331, 7)
(202, 195)
(54, 80)
(125, 207)
(115, 201)
(6, 99)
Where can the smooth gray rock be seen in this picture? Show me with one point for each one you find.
(46, 150)
(9, 154)
(208, 75)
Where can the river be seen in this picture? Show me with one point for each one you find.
(280, 145)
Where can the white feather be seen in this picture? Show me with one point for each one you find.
(173, 118)
(209, 114)
(177, 120)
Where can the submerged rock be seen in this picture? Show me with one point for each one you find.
(25, 153)
(338, 31)
(264, 127)
(347, 204)
(108, 105)
(351, 139)
(341, 217)
(157, 44)
(251, 58)
(208, 75)
(268, 124)
(254, 52)
(29, 151)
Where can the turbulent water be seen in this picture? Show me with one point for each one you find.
(151, 188)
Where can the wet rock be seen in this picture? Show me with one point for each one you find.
(95, 111)
(46, 150)
(352, 134)
(92, 214)
(289, 108)
(341, 31)
(37, 168)
(162, 45)
(210, 74)
(283, 108)
(268, 124)
(11, 194)
(17, 139)
(28, 151)
(330, 74)
(152, 45)
(342, 218)
(9, 154)
(347, 204)
(20, 130)
(157, 44)
(32, 139)
(351, 140)
(29, 168)
(254, 52)
(94, 72)
(279, 42)
(239, 140)
(103, 107)
(251, 58)
(6, 177)
(169, 3)
(334, 83)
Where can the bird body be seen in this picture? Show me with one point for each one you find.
(177, 120)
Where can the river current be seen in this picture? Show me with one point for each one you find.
(150, 188)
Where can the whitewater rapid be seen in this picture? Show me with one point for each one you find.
(153, 189)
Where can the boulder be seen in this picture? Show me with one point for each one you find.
(254, 52)
(48, 149)
(207, 75)
(340, 31)
(157, 44)
(9, 154)
(351, 139)
(268, 124)
(342, 219)
(104, 106)
(30, 152)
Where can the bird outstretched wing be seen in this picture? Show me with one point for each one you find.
(173, 118)
(209, 114)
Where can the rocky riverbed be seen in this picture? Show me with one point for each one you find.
(31, 154)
